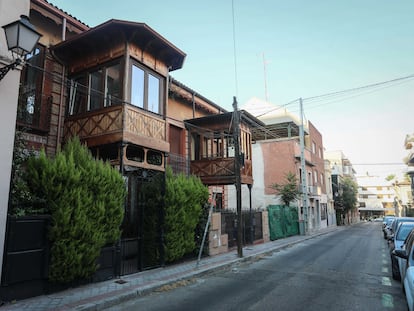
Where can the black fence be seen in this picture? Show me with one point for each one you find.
(26, 258)
(252, 227)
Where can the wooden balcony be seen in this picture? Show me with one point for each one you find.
(120, 123)
(220, 171)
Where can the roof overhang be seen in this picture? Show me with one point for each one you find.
(118, 31)
(224, 121)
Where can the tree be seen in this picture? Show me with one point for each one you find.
(184, 199)
(22, 202)
(349, 196)
(289, 190)
(86, 202)
(390, 177)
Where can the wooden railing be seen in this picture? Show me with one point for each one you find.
(220, 171)
(118, 122)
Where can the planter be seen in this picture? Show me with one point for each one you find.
(26, 257)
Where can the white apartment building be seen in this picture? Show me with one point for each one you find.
(376, 197)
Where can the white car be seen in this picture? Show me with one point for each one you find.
(406, 265)
(397, 242)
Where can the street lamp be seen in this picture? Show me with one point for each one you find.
(21, 37)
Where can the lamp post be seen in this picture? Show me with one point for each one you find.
(21, 37)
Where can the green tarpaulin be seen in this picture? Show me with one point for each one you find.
(283, 221)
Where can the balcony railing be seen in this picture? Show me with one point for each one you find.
(314, 190)
(221, 171)
(116, 123)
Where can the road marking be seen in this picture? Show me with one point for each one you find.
(385, 269)
(386, 281)
(387, 301)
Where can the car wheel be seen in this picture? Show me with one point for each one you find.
(395, 270)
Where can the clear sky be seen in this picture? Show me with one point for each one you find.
(290, 49)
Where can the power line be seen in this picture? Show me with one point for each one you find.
(359, 88)
(334, 97)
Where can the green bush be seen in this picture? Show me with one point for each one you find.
(184, 199)
(86, 200)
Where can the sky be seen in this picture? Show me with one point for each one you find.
(280, 51)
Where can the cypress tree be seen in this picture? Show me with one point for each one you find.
(86, 200)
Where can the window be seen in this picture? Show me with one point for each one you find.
(30, 93)
(219, 201)
(146, 89)
(95, 89)
(153, 93)
(313, 147)
(113, 85)
(137, 88)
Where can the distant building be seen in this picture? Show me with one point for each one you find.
(376, 197)
(341, 168)
(276, 152)
(403, 198)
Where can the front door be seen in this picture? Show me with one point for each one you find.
(141, 242)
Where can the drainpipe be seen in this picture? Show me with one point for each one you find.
(59, 130)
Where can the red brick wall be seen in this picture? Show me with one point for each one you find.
(279, 159)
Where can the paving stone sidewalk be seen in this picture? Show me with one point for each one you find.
(98, 296)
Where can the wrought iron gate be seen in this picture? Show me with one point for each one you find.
(142, 236)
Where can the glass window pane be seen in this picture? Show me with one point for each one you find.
(137, 87)
(78, 94)
(96, 90)
(30, 93)
(113, 85)
(153, 94)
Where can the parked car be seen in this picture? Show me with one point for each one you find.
(396, 242)
(394, 225)
(406, 247)
(406, 254)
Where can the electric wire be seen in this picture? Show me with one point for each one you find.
(338, 96)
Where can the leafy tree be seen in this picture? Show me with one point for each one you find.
(86, 199)
(289, 190)
(349, 194)
(22, 201)
(184, 198)
(390, 177)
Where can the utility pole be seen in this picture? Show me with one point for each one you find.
(236, 134)
(303, 169)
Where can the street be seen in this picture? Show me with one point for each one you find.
(343, 270)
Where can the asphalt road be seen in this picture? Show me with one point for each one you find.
(344, 270)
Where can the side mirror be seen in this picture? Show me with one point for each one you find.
(400, 253)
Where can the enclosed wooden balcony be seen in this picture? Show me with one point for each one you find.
(211, 144)
(122, 122)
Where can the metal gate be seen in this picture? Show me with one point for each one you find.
(252, 227)
(141, 242)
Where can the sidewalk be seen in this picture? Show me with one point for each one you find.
(97, 296)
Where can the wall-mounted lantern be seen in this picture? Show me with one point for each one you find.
(21, 37)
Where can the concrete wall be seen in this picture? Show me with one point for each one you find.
(10, 11)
